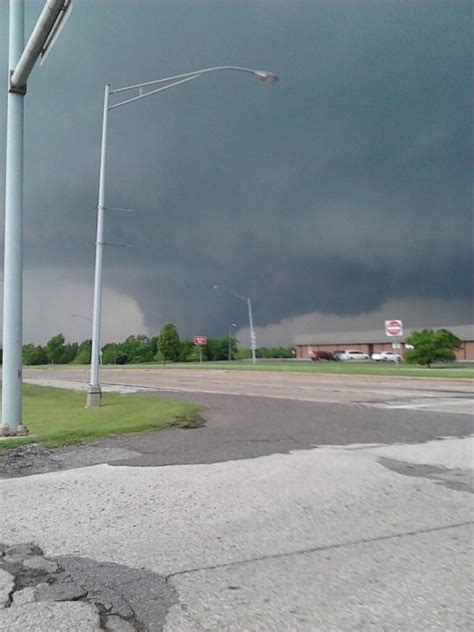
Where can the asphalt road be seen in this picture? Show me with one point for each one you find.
(283, 512)
(441, 395)
(242, 427)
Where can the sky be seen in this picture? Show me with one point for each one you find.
(336, 198)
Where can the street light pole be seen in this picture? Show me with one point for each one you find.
(248, 302)
(21, 60)
(253, 338)
(94, 392)
(13, 255)
(229, 340)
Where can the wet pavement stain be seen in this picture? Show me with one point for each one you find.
(458, 479)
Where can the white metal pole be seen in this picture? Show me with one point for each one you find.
(253, 339)
(13, 256)
(94, 390)
(396, 350)
(44, 27)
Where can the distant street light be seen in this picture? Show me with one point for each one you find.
(21, 60)
(253, 338)
(94, 390)
(232, 325)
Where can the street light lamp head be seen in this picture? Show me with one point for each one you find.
(266, 77)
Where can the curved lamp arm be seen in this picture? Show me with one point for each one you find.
(263, 75)
(239, 296)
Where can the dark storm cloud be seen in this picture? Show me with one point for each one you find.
(345, 185)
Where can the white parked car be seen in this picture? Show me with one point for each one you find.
(387, 356)
(353, 354)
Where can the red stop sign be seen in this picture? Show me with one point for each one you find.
(201, 341)
(393, 327)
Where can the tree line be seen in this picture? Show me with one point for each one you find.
(166, 347)
(430, 346)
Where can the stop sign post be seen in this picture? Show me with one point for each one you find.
(393, 328)
(200, 342)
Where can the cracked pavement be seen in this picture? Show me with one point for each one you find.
(277, 515)
(78, 593)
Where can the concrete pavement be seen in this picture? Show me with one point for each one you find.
(325, 539)
(279, 514)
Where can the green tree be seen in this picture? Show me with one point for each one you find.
(34, 355)
(432, 346)
(84, 351)
(168, 343)
(159, 357)
(243, 353)
(186, 349)
(217, 349)
(134, 350)
(41, 357)
(56, 350)
(112, 354)
(194, 356)
(138, 349)
(70, 352)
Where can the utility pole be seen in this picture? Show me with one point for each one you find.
(21, 60)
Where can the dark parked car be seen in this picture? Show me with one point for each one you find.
(321, 355)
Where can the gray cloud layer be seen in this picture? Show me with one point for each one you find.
(346, 185)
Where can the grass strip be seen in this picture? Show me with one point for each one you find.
(335, 368)
(58, 417)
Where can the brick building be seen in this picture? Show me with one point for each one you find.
(375, 340)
